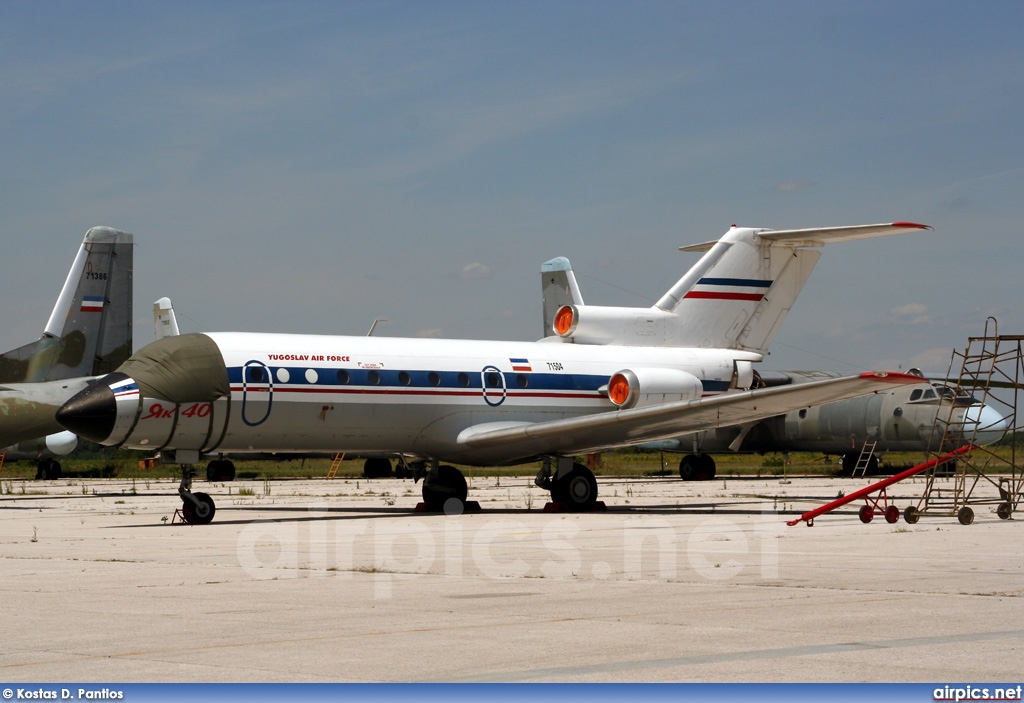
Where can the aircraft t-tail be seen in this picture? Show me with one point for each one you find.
(89, 334)
(631, 375)
(860, 430)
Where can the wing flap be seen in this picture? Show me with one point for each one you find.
(590, 433)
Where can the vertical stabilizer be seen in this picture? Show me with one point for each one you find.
(89, 332)
(742, 298)
(558, 288)
(164, 320)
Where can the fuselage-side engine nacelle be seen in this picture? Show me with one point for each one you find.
(634, 388)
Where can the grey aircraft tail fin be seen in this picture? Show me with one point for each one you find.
(89, 332)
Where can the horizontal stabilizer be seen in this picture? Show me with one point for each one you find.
(591, 433)
(820, 236)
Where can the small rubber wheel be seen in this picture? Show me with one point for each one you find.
(911, 514)
(892, 514)
(1004, 511)
(866, 513)
(965, 515)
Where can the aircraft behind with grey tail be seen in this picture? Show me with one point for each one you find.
(89, 334)
(605, 377)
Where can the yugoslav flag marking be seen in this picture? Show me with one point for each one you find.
(92, 303)
(730, 289)
(521, 365)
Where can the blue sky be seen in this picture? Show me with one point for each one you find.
(309, 167)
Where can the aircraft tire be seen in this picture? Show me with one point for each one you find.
(688, 467)
(705, 468)
(849, 462)
(201, 514)
(220, 470)
(448, 483)
(577, 490)
(377, 467)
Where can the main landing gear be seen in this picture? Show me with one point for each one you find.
(196, 508)
(573, 486)
(697, 467)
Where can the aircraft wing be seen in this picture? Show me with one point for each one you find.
(580, 435)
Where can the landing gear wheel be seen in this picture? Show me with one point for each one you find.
(377, 467)
(866, 513)
(705, 468)
(697, 467)
(1004, 511)
(220, 470)
(911, 514)
(892, 514)
(688, 467)
(849, 464)
(446, 484)
(965, 515)
(577, 489)
(201, 513)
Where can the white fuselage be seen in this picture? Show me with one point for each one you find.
(292, 393)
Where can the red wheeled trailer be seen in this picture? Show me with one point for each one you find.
(879, 505)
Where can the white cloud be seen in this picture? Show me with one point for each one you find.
(476, 270)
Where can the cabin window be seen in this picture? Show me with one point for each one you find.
(434, 379)
(343, 377)
(464, 380)
(522, 380)
(404, 378)
(374, 378)
(256, 374)
(493, 380)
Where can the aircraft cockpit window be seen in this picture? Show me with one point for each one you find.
(916, 394)
(945, 392)
(929, 394)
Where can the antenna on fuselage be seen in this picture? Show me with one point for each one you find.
(374, 325)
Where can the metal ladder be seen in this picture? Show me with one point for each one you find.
(864, 460)
(335, 465)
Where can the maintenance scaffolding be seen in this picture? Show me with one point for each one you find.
(991, 370)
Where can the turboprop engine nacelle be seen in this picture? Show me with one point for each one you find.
(632, 388)
(592, 324)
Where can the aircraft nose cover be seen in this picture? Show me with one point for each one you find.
(188, 368)
(91, 413)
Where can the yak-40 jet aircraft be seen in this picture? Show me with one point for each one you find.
(89, 334)
(631, 375)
